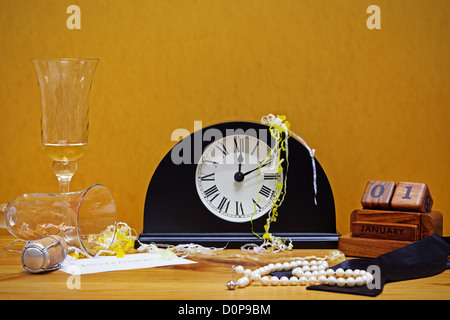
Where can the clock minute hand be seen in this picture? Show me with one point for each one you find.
(248, 172)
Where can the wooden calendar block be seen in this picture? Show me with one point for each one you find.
(378, 195)
(385, 216)
(427, 223)
(386, 231)
(368, 248)
(392, 217)
(412, 196)
(388, 225)
(431, 222)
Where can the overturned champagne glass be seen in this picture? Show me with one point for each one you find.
(85, 219)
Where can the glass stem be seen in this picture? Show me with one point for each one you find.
(64, 170)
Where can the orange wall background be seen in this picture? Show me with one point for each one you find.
(373, 103)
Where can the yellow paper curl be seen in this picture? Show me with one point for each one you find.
(120, 234)
(279, 130)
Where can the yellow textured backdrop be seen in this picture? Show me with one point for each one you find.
(374, 103)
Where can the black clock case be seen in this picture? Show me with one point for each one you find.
(174, 213)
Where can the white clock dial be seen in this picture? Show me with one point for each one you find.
(228, 180)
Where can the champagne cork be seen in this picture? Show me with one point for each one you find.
(44, 254)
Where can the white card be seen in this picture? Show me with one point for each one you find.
(112, 263)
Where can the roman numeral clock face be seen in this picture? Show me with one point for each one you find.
(228, 180)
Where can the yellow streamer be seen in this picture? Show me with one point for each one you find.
(276, 129)
(123, 242)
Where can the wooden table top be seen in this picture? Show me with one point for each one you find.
(204, 280)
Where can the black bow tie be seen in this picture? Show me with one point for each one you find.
(424, 258)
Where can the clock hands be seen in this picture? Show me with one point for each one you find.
(239, 176)
(265, 164)
(239, 160)
(225, 178)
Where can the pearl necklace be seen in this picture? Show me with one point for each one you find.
(304, 272)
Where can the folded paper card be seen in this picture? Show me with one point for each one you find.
(112, 263)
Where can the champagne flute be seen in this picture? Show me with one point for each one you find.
(65, 85)
(88, 214)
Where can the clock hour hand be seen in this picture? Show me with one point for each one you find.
(240, 158)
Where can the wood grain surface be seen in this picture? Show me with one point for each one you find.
(204, 280)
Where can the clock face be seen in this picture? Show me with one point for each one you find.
(228, 180)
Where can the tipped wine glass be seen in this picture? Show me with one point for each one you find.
(88, 223)
(65, 86)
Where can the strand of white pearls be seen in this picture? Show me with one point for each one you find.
(303, 273)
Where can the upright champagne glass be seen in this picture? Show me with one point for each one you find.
(65, 85)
